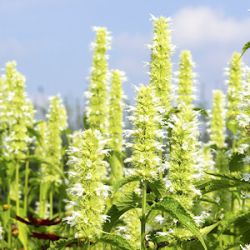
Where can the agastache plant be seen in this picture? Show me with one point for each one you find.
(18, 115)
(234, 90)
(217, 138)
(115, 123)
(57, 123)
(96, 111)
(184, 138)
(87, 193)
(218, 120)
(244, 118)
(160, 65)
(17, 118)
(51, 142)
(145, 146)
(42, 150)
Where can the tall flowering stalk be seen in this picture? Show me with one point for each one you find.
(218, 120)
(186, 79)
(234, 91)
(97, 95)
(145, 147)
(57, 122)
(217, 137)
(243, 119)
(160, 65)
(41, 151)
(184, 139)
(17, 116)
(86, 191)
(115, 124)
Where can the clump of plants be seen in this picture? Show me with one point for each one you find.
(135, 177)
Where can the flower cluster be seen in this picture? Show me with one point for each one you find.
(234, 91)
(97, 94)
(186, 79)
(57, 122)
(160, 65)
(115, 123)
(218, 124)
(145, 147)
(184, 145)
(116, 111)
(86, 191)
(17, 114)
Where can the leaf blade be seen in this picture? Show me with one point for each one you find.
(174, 208)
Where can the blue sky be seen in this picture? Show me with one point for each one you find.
(50, 39)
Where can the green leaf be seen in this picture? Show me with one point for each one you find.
(129, 202)
(37, 159)
(158, 188)
(116, 241)
(125, 181)
(236, 162)
(60, 244)
(245, 48)
(202, 111)
(175, 209)
(23, 234)
(215, 185)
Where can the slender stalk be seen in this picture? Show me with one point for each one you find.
(42, 200)
(51, 204)
(17, 189)
(9, 224)
(143, 216)
(26, 187)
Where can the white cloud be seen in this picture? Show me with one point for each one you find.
(200, 26)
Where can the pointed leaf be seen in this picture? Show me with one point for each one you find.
(116, 241)
(245, 48)
(125, 181)
(130, 201)
(174, 208)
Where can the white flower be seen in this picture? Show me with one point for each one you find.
(1, 232)
(72, 220)
(103, 190)
(121, 229)
(246, 177)
(76, 190)
(159, 219)
(161, 233)
(168, 183)
(242, 148)
(246, 247)
(105, 218)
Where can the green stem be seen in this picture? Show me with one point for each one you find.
(42, 200)
(9, 222)
(26, 187)
(17, 190)
(143, 216)
(51, 204)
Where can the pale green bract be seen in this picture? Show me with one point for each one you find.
(234, 91)
(86, 191)
(218, 118)
(96, 110)
(184, 145)
(146, 146)
(17, 114)
(160, 65)
(57, 122)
